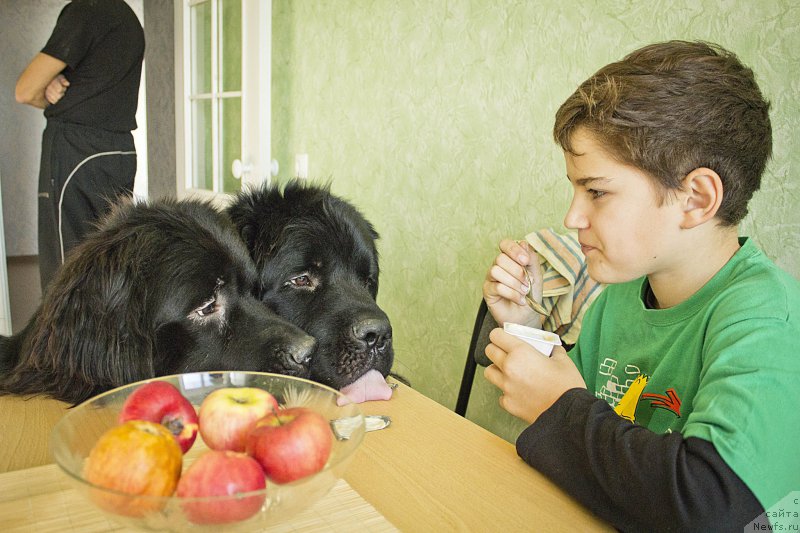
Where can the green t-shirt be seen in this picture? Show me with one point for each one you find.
(723, 366)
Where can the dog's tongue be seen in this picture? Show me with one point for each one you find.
(370, 386)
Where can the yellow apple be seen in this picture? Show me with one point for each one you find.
(137, 458)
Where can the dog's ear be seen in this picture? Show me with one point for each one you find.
(257, 215)
(248, 233)
(242, 213)
(91, 333)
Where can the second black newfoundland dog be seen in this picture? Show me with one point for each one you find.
(158, 289)
(318, 268)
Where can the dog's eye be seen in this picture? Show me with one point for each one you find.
(305, 281)
(301, 281)
(208, 308)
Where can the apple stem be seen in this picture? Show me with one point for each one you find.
(277, 416)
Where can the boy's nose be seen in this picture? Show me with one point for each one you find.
(575, 219)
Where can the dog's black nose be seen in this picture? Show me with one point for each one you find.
(301, 351)
(374, 332)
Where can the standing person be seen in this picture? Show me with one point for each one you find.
(86, 78)
(677, 409)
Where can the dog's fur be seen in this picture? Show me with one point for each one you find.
(158, 289)
(318, 268)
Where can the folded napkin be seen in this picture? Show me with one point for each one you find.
(568, 290)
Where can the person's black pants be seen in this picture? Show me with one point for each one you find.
(82, 171)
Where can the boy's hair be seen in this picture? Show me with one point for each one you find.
(672, 107)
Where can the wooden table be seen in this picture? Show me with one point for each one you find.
(25, 426)
(431, 470)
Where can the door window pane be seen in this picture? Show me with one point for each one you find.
(202, 151)
(201, 48)
(231, 141)
(231, 49)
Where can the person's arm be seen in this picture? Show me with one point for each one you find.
(33, 82)
(628, 475)
(635, 479)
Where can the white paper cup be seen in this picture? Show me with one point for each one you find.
(539, 339)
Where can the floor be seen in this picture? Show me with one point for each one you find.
(23, 289)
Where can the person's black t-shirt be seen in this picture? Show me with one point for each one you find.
(102, 43)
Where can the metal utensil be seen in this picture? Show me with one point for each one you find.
(343, 427)
(536, 306)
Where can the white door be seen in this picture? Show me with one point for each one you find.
(223, 68)
(5, 304)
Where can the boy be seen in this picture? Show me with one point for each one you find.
(692, 413)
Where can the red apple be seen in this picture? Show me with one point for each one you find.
(222, 473)
(227, 415)
(291, 443)
(163, 403)
(139, 458)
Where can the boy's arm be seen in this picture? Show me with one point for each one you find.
(36, 77)
(632, 477)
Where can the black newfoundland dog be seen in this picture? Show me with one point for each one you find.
(159, 288)
(318, 268)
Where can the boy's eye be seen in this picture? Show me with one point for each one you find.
(595, 194)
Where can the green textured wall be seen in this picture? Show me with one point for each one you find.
(435, 117)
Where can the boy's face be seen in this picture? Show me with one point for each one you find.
(623, 231)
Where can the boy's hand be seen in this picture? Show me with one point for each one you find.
(506, 284)
(56, 89)
(530, 381)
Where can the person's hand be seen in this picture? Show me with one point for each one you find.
(506, 284)
(530, 381)
(56, 89)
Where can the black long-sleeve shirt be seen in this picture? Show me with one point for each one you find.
(635, 479)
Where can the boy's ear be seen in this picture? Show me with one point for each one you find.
(703, 196)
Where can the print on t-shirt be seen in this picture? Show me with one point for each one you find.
(624, 394)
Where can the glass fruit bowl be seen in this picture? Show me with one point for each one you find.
(76, 434)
